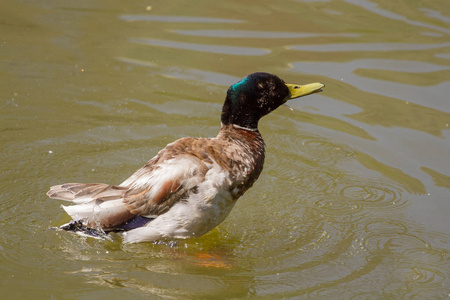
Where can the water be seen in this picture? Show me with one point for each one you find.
(354, 199)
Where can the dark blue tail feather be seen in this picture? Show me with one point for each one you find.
(135, 222)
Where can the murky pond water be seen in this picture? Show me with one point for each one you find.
(354, 200)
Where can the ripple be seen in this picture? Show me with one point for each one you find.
(373, 7)
(435, 14)
(320, 265)
(230, 50)
(326, 152)
(425, 282)
(385, 227)
(380, 195)
(443, 55)
(203, 76)
(319, 180)
(311, 150)
(393, 236)
(139, 62)
(387, 88)
(371, 47)
(185, 73)
(258, 34)
(367, 296)
(175, 19)
(184, 107)
(11, 150)
(339, 210)
(422, 275)
(427, 255)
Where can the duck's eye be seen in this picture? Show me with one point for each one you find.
(296, 87)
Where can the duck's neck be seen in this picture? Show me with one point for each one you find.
(245, 149)
(244, 128)
(244, 134)
(250, 142)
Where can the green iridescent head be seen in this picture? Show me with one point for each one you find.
(258, 94)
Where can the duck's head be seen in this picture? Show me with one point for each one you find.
(258, 94)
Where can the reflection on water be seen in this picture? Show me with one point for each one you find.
(368, 94)
(353, 200)
(203, 48)
(368, 47)
(373, 7)
(259, 34)
(187, 74)
(353, 232)
(435, 14)
(175, 19)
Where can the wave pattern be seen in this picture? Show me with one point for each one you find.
(345, 231)
(333, 214)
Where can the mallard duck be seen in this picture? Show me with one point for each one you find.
(192, 184)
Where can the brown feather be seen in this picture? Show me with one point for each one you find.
(168, 188)
(239, 152)
(139, 200)
(95, 191)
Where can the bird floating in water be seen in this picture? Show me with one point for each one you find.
(192, 184)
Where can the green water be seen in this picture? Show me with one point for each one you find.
(354, 199)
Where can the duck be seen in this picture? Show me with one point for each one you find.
(192, 184)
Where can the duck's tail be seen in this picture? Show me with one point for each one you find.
(98, 205)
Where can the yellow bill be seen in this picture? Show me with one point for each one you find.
(298, 90)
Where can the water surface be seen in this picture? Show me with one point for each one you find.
(354, 199)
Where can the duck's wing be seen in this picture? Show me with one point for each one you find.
(149, 192)
(84, 192)
(100, 204)
(154, 189)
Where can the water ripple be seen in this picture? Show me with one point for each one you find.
(388, 88)
(176, 19)
(380, 195)
(353, 47)
(435, 14)
(373, 7)
(339, 210)
(319, 180)
(337, 232)
(383, 226)
(230, 50)
(325, 151)
(259, 34)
